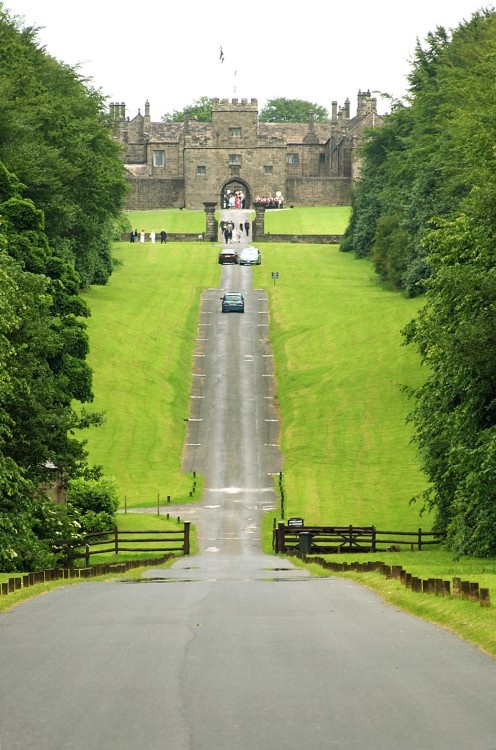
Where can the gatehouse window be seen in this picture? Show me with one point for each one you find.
(159, 158)
(234, 158)
(322, 158)
(292, 159)
(268, 168)
(235, 132)
(201, 169)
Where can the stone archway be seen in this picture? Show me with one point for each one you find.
(231, 186)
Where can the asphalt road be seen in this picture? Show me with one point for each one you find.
(232, 648)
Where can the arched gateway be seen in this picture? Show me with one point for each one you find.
(230, 188)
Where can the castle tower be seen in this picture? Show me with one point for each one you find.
(234, 122)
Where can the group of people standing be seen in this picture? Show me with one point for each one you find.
(231, 233)
(236, 199)
(135, 236)
(272, 201)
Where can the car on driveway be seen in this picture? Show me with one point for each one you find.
(250, 256)
(228, 255)
(233, 302)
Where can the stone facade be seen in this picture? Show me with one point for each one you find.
(185, 164)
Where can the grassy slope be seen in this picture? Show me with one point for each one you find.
(340, 365)
(142, 333)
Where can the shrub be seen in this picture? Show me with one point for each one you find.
(93, 503)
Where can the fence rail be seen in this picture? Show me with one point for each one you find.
(115, 541)
(344, 539)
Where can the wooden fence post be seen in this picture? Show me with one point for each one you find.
(280, 538)
(419, 539)
(484, 598)
(116, 540)
(187, 524)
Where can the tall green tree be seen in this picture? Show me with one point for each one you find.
(425, 212)
(292, 110)
(55, 136)
(200, 109)
(455, 409)
(44, 381)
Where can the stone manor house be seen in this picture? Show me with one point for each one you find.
(185, 164)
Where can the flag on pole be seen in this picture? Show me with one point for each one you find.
(221, 56)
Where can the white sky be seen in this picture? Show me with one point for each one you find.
(168, 51)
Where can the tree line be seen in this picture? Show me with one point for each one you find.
(424, 212)
(61, 190)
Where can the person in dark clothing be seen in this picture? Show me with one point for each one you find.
(247, 227)
(163, 237)
(131, 236)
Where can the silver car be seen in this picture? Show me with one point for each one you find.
(250, 256)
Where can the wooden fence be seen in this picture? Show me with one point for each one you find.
(55, 574)
(116, 541)
(456, 588)
(343, 539)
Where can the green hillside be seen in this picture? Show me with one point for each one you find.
(339, 360)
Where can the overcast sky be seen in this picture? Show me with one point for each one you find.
(169, 52)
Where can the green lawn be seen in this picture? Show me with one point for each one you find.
(315, 220)
(340, 367)
(142, 334)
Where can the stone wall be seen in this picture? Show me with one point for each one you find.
(317, 191)
(149, 194)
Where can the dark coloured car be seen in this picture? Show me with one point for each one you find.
(233, 302)
(228, 256)
(250, 256)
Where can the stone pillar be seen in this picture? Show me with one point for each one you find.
(211, 223)
(258, 227)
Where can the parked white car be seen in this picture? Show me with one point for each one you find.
(250, 256)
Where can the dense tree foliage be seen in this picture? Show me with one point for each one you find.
(43, 373)
(200, 109)
(275, 110)
(292, 110)
(54, 135)
(424, 211)
(57, 211)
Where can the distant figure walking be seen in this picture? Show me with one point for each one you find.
(247, 227)
(152, 237)
(142, 235)
(163, 237)
(131, 236)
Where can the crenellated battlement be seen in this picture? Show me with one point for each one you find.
(230, 103)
